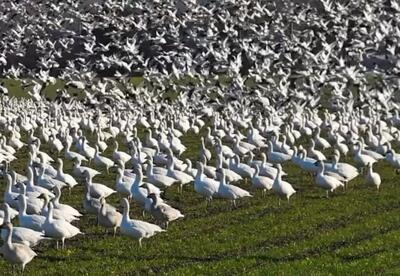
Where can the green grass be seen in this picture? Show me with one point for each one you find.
(357, 231)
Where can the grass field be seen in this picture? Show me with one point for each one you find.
(352, 232)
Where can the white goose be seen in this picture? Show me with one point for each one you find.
(34, 222)
(162, 212)
(327, 182)
(97, 190)
(159, 180)
(16, 253)
(64, 177)
(372, 178)
(181, 177)
(261, 182)
(120, 155)
(59, 229)
(65, 208)
(204, 186)
(228, 191)
(108, 217)
(102, 161)
(276, 157)
(137, 229)
(282, 188)
(21, 235)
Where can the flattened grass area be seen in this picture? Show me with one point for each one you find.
(356, 231)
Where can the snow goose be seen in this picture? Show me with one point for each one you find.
(393, 159)
(149, 140)
(65, 208)
(64, 177)
(275, 156)
(71, 155)
(313, 153)
(238, 149)
(372, 178)
(241, 169)
(123, 186)
(204, 151)
(319, 141)
(159, 180)
(137, 229)
(108, 217)
(57, 214)
(282, 188)
(120, 155)
(189, 169)
(347, 171)
(102, 161)
(327, 182)
(59, 229)
(228, 191)
(82, 171)
(97, 190)
(162, 212)
(261, 182)
(31, 187)
(204, 186)
(21, 235)
(34, 222)
(55, 144)
(48, 182)
(362, 160)
(181, 177)
(16, 253)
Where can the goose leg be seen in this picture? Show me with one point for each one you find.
(327, 193)
(279, 201)
(63, 243)
(140, 242)
(115, 231)
(57, 245)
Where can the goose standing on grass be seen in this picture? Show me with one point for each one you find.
(34, 222)
(31, 187)
(102, 161)
(59, 229)
(47, 181)
(181, 177)
(362, 160)
(276, 157)
(137, 229)
(97, 190)
(204, 186)
(71, 155)
(327, 182)
(162, 212)
(123, 186)
(228, 191)
(159, 180)
(282, 188)
(16, 253)
(120, 155)
(372, 178)
(82, 171)
(57, 214)
(261, 182)
(65, 208)
(109, 217)
(64, 177)
(21, 235)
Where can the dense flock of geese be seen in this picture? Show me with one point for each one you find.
(303, 84)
